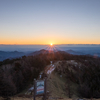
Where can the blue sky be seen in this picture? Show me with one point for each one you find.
(49, 21)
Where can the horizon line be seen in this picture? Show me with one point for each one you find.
(49, 44)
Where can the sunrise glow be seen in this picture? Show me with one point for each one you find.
(40, 23)
(51, 44)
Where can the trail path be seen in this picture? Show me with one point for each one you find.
(49, 69)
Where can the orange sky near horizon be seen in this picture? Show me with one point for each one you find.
(45, 41)
(34, 22)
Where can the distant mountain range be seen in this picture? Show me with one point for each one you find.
(74, 52)
(79, 51)
(43, 51)
(9, 55)
(84, 52)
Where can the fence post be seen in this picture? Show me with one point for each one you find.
(45, 88)
(34, 88)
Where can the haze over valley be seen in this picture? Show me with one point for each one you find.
(15, 51)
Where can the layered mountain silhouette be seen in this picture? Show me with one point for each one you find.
(15, 54)
(9, 55)
(74, 52)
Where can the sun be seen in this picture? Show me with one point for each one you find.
(51, 44)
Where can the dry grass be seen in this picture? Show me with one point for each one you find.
(56, 87)
(21, 98)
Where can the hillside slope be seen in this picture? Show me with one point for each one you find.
(57, 85)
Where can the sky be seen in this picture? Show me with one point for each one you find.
(49, 21)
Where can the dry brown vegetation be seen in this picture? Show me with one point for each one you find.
(81, 71)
